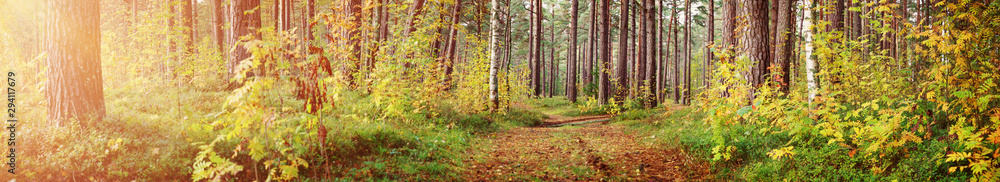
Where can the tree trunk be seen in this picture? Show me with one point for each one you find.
(75, 88)
(810, 62)
(686, 95)
(783, 45)
(641, 48)
(571, 54)
(650, 31)
(450, 53)
(218, 23)
(494, 35)
(621, 88)
(354, 40)
(310, 12)
(674, 26)
(241, 24)
(588, 76)
(605, 81)
(538, 45)
(189, 22)
(553, 65)
(709, 46)
(755, 41)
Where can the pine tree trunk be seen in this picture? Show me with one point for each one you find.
(450, 53)
(571, 54)
(217, 24)
(783, 45)
(755, 41)
(621, 88)
(75, 88)
(605, 69)
(709, 44)
(687, 53)
(241, 24)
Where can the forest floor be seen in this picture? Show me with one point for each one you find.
(594, 151)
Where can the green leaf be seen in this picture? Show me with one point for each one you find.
(962, 94)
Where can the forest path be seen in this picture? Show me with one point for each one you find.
(587, 152)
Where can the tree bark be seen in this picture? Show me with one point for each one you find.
(674, 26)
(621, 88)
(686, 95)
(494, 35)
(189, 22)
(650, 31)
(241, 24)
(553, 65)
(605, 81)
(450, 53)
(354, 40)
(218, 23)
(571, 54)
(783, 45)
(709, 45)
(755, 41)
(75, 88)
(807, 18)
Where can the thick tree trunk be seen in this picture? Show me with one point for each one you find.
(650, 47)
(75, 88)
(218, 22)
(494, 46)
(754, 41)
(621, 88)
(354, 41)
(605, 69)
(450, 53)
(241, 24)
(189, 22)
(783, 45)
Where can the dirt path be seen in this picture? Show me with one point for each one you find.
(589, 152)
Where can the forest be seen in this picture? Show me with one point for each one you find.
(500, 90)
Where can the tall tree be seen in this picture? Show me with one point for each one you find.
(686, 94)
(75, 88)
(650, 49)
(621, 88)
(674, 26)
(217, 23)
(310, 12)
(571, 55)
(754, 41)
(354, 40)
(783, 46)
(242, 23)
(588, 70)
(538, 44)
(641, 45)
(450, 53)
(807, 18)
(709, 45)
(553, 65)
(605, 81)
(189, 22)
(494, 35)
